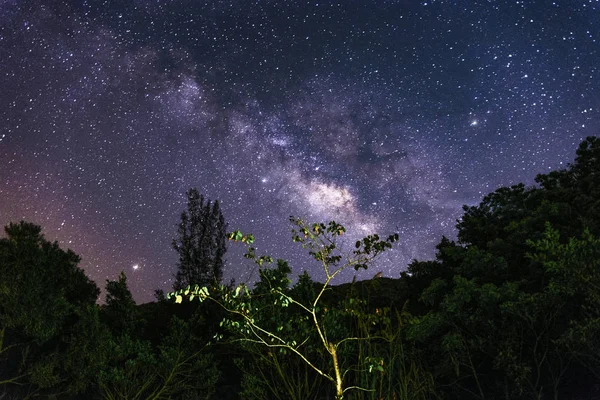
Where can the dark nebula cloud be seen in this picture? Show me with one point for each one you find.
(385, 115)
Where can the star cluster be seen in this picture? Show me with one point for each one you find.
(386, 116)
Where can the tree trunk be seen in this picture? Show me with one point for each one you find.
(339, 390)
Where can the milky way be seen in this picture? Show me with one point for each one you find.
(386, 116)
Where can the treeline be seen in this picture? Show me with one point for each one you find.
(511, 310)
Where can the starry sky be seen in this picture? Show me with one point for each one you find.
(385, 115)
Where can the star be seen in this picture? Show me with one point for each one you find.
(383, 120)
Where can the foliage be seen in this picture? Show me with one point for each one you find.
(119, 309)
(45, 301)
(512, 309)
(41, 284)
(55, 342)
(385, 363)
(273, 374)
(180, 369)
(574, 277)
(271, 317)
(201, 243)
(509, 310)
(177, 367)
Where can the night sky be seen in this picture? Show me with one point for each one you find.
(386, 116)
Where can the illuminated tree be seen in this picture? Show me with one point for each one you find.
(261, 316)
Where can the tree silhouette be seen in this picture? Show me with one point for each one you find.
(120, 308)
(46, 303)
(201, 243)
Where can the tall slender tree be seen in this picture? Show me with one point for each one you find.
(200, 243)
